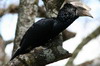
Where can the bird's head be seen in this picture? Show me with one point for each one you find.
(81, 9)
(74, 10)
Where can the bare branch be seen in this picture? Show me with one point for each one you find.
(94, 34)
(42, 56)
(7, 42)
(94, 62)
(11, 9)
(67, 35)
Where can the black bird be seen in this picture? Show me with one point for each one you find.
(46, 29)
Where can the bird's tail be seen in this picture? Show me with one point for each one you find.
(16, 54)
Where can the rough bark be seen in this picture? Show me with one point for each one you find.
(94, 34)
(40, 56)
(27, 14)
(52, 7)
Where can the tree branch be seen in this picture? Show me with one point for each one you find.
(11, 9)
(7, 42)
(42, 56)
(67, 35)
(52, 7)
(27, 14)
(94, 34)
(94, 62)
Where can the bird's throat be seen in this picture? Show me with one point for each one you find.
(66, 22)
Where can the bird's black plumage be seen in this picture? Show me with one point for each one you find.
(45, 29)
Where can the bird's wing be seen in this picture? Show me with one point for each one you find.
(40, 30)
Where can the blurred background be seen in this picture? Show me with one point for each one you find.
(83, 27)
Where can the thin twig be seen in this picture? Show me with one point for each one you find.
(93, 35)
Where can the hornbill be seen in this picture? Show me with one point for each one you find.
(45, 30)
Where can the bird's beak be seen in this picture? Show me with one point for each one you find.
(82, 9)
(85, 13)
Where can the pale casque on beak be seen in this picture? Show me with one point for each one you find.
(82, 9)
